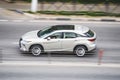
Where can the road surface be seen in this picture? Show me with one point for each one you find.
(24, 72)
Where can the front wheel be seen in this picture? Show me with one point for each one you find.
(36, 50)
(80, 50)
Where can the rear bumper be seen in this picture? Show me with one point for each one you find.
(92, 47)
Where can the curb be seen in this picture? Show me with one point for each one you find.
(18, 11)
(72, 19)
(80, 19)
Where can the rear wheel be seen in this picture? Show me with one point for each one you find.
(80, 50)
(36, 50)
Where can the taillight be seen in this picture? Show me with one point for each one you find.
(91, 40)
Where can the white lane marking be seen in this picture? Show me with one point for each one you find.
(2, 20)
(18, 20)
(75, 64)
(34, 21)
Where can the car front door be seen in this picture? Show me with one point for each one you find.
(53, 42)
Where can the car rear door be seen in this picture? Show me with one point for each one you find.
(68, 41)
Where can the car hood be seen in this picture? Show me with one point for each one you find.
(30, 35)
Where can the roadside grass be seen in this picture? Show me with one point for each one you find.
(76, 13)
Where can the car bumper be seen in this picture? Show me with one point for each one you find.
(92, 47)
(23, 46)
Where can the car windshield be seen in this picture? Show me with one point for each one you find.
(44, 31)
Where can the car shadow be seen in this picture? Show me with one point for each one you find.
(59, 54)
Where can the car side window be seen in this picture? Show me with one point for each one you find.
(56, 35)
(70, 35)
(78, 35)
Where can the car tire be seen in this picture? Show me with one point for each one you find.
(36, 50)
(80, 51)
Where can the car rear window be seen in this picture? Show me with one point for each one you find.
(89, 33)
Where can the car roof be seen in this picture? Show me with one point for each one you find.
(76, 28)
(81, 29)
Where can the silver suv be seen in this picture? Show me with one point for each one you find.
(76, 38)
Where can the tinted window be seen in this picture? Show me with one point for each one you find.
(54, 28)
(64, 27)
(78, 35)
(70, 35)
(45, 31)
(56, 35)
(89, 33)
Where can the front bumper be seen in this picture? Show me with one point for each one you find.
(23, 46)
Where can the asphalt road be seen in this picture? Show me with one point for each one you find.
(57, 73)
(108, 39)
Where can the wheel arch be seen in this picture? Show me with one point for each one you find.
(35, 45)
(81, 45)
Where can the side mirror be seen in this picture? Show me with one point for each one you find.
(48, 38)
